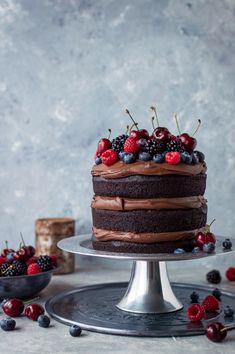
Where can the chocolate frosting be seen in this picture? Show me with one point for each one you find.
(120, 169)
(109, 235)
(117, 203)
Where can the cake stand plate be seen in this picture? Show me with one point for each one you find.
(94, 309)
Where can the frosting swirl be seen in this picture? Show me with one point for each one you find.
(120, 169)
(110, 235)
(118, 203)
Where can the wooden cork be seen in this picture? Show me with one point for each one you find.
(49, 231)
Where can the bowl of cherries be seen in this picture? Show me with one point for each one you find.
(22, 273)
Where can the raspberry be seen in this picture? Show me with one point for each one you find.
(210, 304)
(109, 157)
(31, 260)
(33, 268)
(196, 312)
(230, 273)
(173, 158)
(131, 145)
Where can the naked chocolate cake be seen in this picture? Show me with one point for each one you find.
(148, 192)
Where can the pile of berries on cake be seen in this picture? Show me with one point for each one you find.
(23, 261)
(160, 146)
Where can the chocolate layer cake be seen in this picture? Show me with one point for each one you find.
(148, 207)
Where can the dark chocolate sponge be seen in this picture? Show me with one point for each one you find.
(151, 186)
(150, 220)
(129, 247)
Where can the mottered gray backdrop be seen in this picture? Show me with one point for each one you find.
(69, 68)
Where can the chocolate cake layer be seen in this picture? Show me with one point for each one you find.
(129, 247)
(151, 186)
(150, 220)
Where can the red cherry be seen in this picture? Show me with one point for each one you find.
(230, 273)
(6, 250)
(162, 133)
(216, 332)
(136, 134)
(200, 239)
(13, 307)
(103, 145)
(22, 254)
(31, 250)
(188, 141)
(144, 134)
(210, 237)
(33, 311)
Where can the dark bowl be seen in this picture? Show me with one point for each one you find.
(24, 286)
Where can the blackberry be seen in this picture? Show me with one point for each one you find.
(45, 263)
(194, 297)
(118, 143)
(213, 277)
(175, 145)
(154, 147)
(19, 267)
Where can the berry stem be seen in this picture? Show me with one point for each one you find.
(211, 222)
(155, 112)
(6, 242)
(31, 300)
(199, 124)
(177, 123)
(127, 129)
(227, 329)
(22, 238)
(136, 124)
(152, 121)
(110, 131)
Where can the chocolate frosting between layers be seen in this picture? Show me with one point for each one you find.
(109, 235)
(117, 203)
(120, 169)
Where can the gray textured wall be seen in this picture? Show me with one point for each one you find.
(69, 68)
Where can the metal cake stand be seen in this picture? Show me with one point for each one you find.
(149, 305)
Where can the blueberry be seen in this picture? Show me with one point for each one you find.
(194, 297)
(44, 321)
(217, 294)
(186, 157)
(144, 156)
(121, 155)
(8, 324)
(200, 155)
(142, 143)
(129, 158)
(179, 251)
(227, 244)
(75, 330)
(209, 247)
(196, 250)
(195, 158)
(10, 257)
(98, 160)
(159, 158)
(228, 311)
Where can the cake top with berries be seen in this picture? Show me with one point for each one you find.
(138, 152)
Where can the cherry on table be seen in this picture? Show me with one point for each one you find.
(216, 332)
(13, 307)
(33, 311)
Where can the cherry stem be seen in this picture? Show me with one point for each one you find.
(153, 122)
(136, 124)
(6, 242)
(227, 329)
(31, 300)
(199, 124)
(155, 112)
(127, 129)
(22, 238)
(177, 123)
(110, 131)
(211, 222)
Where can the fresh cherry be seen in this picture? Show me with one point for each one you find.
(31, 250)
(22, 254)
(136, 134)
(6, 250)
(188, 141)
(33, 311)
(216, 332)
(144, 134)
(103, 145)
(162, 133)
(205, 237)
(13, 307)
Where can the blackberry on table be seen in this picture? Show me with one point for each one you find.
(154, 147)
(45, 263)
(194, 297)
(118, 142)
(213, 276)
(175, 145)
